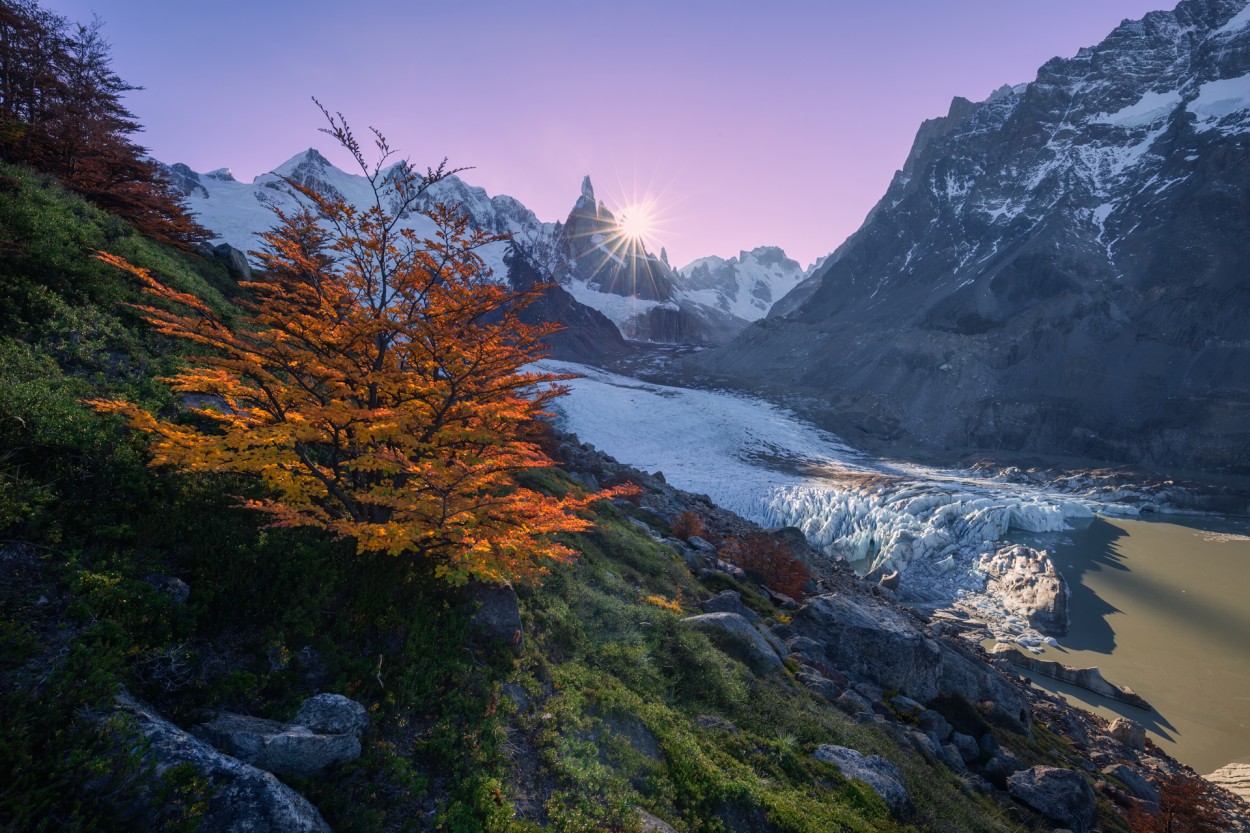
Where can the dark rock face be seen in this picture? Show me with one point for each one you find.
(244, 797)
(586, 334)
(1061, 795)
(878, 643)
(1060, 268)
(601, 255)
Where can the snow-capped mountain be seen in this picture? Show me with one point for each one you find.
(235, 212)
(638, 292)
(1063, 267)
(747, 285)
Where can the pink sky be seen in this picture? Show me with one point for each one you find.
(750, 123)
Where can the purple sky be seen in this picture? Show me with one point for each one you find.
(751, 123)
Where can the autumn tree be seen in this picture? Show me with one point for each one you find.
(61, 111)
(381, 385)
(772, 561)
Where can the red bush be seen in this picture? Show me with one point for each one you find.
(772, 561)
(687, 525)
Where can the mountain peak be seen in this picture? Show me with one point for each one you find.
(311, 157)
(588, 190)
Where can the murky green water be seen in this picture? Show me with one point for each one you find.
(1164, 608)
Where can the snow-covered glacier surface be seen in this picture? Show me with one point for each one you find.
(765, 463)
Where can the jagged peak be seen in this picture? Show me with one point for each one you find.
(588, 190)
(223, 174)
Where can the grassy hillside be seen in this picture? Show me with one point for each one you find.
(613, 705)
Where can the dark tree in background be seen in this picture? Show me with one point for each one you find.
(61, 111)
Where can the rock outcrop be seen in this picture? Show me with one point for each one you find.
(1235, 778)
(1061, 795)
(242, 798)
(877, 642)
(324, 733)
(875, 771)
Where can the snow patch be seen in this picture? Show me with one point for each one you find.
(1223, 105)
(1147, 110)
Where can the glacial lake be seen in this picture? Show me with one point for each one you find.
(1164, 608)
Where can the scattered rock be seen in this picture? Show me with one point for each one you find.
(737, 637)
(935, 725)
(873, 770)
(906, 707)
(243, 797)
(236, 261)
(498, 617)
(730, 601)
(1000, 768)
(891, 581)
(819, 684)
(1061, 795)
(701, 545)
(967, 745)
(853, 703)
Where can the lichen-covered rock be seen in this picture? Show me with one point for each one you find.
(738, 638)
(243, 799)
(1136, 784)
(873, 770)
(281, 748)
(1061, 795)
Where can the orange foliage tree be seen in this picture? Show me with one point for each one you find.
(380, 385)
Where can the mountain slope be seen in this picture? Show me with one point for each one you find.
(1059, 268)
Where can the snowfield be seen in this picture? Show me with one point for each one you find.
(936, 527)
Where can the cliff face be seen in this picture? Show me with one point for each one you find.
(1060, 268)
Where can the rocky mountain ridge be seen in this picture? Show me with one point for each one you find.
(1057, 269)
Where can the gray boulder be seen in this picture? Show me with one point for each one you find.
(235, 260)
(1130, 733)
(281, 748)
(1136, 784)
(243, 799)
(967, 745)
(730, 601)
(873, 770)
(934, 725)
(1061, 795)
(733, 634)
(1026, 582)
(333, 714)
(852, 702)
(498, 617)
(701, 545)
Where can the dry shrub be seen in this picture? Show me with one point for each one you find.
(1186, 805)
(687, 525)
(772, 561)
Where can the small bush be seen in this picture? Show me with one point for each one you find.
(772, 561)
(687, 525)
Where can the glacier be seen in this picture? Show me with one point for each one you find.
(939, 528)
